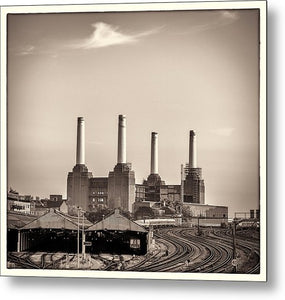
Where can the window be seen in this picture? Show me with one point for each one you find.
(135, 243)
(100, 199)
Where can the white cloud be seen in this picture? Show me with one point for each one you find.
(231, 15)
(105, 35)
(221, 18)
(226, 132)
(26, 50)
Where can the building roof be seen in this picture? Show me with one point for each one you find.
(118, 222)
(17, 220)
(47, 203)
(203, 205)
(54, 204)
(52, 220)
(74, 219)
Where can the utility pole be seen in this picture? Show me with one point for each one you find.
(83, 237)
(234, 246)
(150, 237)
(198, 225)
(19, 241)
(182, 185)
(78, 233)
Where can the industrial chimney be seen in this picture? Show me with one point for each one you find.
(122, 157)
(192, 150)
(154, 154)
(121, 181)
(78, 179)
(80, 150)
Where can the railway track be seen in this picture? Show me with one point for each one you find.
(215, 248)
(249, 247)
(179, 251)
(219, 257)
(151, 258)
(187, 252)
(23, 261)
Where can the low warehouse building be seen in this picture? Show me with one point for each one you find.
(51, 232)
(117, 234)
(205, 215)
(15, 221)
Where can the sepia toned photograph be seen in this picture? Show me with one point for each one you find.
(135, 139)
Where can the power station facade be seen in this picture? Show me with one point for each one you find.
(119, 189)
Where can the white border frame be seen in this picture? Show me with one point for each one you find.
(262, 6)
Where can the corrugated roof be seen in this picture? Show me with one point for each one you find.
(17, 220)
(51, 220)
(116, 222)
(74, 219)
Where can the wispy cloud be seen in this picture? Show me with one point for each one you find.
(29, 50)
(226, 132)
(229, 15)
(105, 35)
(221, 18)
(25, 50)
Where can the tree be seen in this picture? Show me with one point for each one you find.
(97, 216)
(186, 212)
(144, 212)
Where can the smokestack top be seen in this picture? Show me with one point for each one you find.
(192, 150)
(80, 148)
(122, 140)
(154, 153)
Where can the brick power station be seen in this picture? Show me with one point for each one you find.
(119, 189)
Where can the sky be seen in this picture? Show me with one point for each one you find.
(168, 72)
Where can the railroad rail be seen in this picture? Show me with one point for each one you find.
(215, 248)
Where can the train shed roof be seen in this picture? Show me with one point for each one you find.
(52, 220)
(116, 222)
(17, 220)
